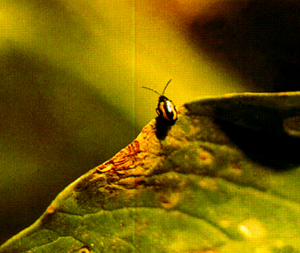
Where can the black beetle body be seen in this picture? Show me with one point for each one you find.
(166, 109)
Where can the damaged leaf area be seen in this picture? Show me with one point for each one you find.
(224, 178)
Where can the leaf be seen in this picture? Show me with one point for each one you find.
(224, 178)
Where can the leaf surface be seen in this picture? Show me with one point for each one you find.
(224, 178)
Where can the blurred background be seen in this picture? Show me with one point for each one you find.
(71, 73)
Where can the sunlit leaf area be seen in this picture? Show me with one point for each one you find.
(72, 73)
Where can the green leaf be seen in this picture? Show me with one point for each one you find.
(224, 178)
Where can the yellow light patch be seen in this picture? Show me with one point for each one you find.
(252, 228)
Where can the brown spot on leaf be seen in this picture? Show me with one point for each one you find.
(50, 209)
(170, 201)
(235, 169)
(205, 156)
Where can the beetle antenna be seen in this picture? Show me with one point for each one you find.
(151, 90)
(166, 86)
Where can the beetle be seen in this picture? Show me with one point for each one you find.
(166, 109)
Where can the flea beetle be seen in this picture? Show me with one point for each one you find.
(166, 109)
